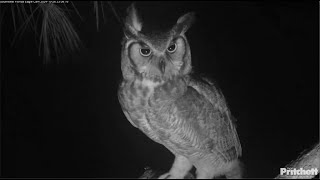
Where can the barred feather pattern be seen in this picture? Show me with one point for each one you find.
(189, 117)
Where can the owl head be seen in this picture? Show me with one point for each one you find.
(155, 56)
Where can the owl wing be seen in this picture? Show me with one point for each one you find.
(210, 91)
(205, 123)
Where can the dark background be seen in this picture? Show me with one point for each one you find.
(64, 120)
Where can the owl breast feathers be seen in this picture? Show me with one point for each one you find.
(159, 96)
(188, 117)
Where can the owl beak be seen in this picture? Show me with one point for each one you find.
(162, 65)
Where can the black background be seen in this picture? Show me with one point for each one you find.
(64, 120)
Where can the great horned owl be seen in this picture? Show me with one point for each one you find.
(159, 96)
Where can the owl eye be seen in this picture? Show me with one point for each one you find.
(172, 48)
(145, 52)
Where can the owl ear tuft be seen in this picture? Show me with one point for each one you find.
(184, 23)
(133, 22)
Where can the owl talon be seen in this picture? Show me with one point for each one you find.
(170, 176)
(164, 176)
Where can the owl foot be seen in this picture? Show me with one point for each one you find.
(179, 170)
(164, 176)
(169, 176)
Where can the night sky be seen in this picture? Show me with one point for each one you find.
(64, 119)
